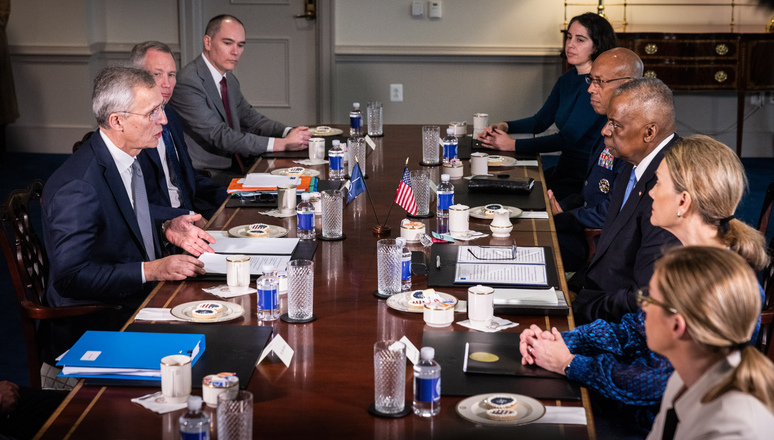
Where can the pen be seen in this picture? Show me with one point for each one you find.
(438, 262)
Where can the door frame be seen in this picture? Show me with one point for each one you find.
(191, 33)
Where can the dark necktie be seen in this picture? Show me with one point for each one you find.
(224, 97)
(141, 210)
(629, 187)
(177, 170)
(670, 425)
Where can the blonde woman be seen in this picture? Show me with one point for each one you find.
(700, 184)
(700, 314)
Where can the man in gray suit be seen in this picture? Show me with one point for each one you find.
(220, 125)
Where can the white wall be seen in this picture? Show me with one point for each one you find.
(495, 56)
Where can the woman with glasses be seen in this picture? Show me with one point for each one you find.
(700, 184)
(700, 313)
(568, 106)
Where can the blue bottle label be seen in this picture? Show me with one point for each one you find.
(204, 435)
(267, 298)
(449, 151)
(427, 390)
(445, 200)
(336, 163)
(355, 121)
(406, 272)
(305, 221)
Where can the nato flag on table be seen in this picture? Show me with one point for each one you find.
(356, 183)
(405, 195)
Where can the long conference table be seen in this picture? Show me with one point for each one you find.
(326, 390)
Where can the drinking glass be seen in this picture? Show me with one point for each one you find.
(332, 213)
(388, 266)
(356, 147)
(235, 417)
(375, 118)
(389, 376)
(300, 289)
(420, 183)
(430, 140)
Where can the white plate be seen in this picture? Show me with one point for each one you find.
(333, 132)
(507, 161)
(307, 172)
(480, 212)
(231, 311)
(399, 302)
(241, 232)
(474, 410)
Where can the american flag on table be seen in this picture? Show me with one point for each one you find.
(405, 196)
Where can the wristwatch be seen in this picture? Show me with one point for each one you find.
(567, 367)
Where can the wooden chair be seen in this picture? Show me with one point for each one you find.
(591, 240)
(764, 342)
(28, 265)
(768, 200)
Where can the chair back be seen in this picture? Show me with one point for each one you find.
(78, 144)
(768, 200)
(764, 342)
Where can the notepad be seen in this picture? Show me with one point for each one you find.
(501, 265)
(127, 355)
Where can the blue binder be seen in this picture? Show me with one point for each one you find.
(127, 355)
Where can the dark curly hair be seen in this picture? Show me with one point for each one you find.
(600, 32)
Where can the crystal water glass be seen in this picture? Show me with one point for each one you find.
(431, 136)
(388, 266)
(420, 182)
(332, 213)
(389, 376)
(300, 289)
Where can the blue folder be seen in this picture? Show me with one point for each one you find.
(111, 354)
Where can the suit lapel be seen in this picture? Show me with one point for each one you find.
(158, 172)
(182, 153)
(115, 184)
(210, 87)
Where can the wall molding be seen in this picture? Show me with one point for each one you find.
(447, 50)
(439, 55)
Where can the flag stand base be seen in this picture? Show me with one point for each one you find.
(382, 230)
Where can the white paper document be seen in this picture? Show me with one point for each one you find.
(525, 296)
(216, 263)
(250, 246)
(526, 274)
(264, 180)
(501, 255)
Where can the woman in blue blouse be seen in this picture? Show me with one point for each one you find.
(700, 184)
(568, 106)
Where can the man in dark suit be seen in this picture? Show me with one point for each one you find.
(173, 186)
(219, 124)
(573, 214)
(101, 242)
(641, 125)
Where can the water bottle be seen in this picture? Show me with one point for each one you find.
(445, 197)
(305, 218)
(355, 120)
(336, 159)
(194, 424)
(268, 295)
(405, 265)
(427, 384)
(449, 146)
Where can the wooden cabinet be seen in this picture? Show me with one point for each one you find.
(696, 58)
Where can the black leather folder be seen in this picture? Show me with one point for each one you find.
(444, 277)
(530, 381)
(230, 348)
(533, 201)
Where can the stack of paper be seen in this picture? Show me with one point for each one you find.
(265, 182)
(127, 355)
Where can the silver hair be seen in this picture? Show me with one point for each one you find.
(137, 56)
(114, 90)
(651, 96)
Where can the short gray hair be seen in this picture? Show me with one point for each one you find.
(652, 97)
(137, 56)
(114, 91)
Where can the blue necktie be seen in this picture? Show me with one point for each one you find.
(142, 211)
(629, 187)
(177, 171)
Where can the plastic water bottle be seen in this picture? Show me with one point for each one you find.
(449, 146)
(194, 424)
(427, 384)
(305, 218)
(336, 160)
(268, 295)
(405, 265)
(445, 197)
(355, 120)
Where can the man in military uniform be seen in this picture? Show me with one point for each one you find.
(588, 209)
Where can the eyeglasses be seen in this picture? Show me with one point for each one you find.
(602, 82)
(642, 297)
(493, 253)
(152, 115)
